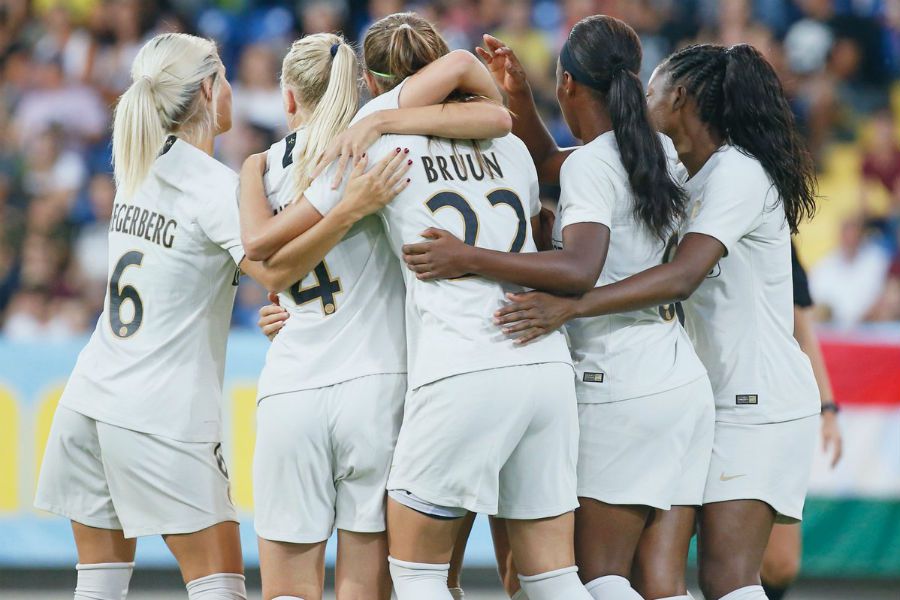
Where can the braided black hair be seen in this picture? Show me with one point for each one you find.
(606, 54)
(740, 97)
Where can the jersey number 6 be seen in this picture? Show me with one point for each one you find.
(470, 219)
(118, 295)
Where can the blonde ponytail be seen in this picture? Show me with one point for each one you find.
(164, 98)
(322, 70)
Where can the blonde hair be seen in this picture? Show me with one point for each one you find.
(398, 46)
(163, 98)
(322, 70)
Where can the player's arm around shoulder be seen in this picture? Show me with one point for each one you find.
(367, 191)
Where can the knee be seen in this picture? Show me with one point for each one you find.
(307, 592)
(659, 586)
(780, 571)
(658, 578)
(591, 567)
(719, 577)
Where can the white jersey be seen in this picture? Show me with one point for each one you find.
(631, 354)
(346, 316)
(449, 323)
(741, 318)
(155, 361)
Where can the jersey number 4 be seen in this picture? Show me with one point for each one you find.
(470, 219)
(118, 294)
(324, 291)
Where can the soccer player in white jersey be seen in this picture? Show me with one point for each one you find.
(332, 390)
(135, 446)
(646, 408)
(487, 427)
(750, 181)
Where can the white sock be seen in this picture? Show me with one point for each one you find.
(287, 598)
(751, 592)
(685, 597)
(520, 595)
(457, 593)
(219, 586)
(612, 587)
(419, 581)
(562, 584)
(103, 581)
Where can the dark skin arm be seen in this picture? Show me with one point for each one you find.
(533, 314)
(527, 124)
(573, 270)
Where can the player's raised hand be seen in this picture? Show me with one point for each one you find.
(272, 317)
(533, 314)
(349, 145)
(370, 191)
(442, 257)
(504, 65)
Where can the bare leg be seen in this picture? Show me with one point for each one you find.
(414, 537)
(542, 545)
(509, 576)
(102, 545)
(781, 561)
(292, 569)
(661, 559)
(454, 579)
(362, 567)
(732, 540)
(216, 549)
(607, 537)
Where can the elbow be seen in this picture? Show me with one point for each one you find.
(581, 281)
(683, 286)
(274, 280)
(503, 123)
(460, 62)
(255, 248)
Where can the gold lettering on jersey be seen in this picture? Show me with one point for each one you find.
(462, 165)
(140, 222)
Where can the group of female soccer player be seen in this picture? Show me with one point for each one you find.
(413, 380)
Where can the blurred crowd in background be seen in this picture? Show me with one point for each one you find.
(64, 63)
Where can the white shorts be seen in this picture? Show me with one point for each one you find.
(652, 450)
(322, 458)
(108, 477)
(501, 442)
(770, 462)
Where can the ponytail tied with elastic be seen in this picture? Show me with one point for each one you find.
(322, 69)
(740, 97)
(605, 54)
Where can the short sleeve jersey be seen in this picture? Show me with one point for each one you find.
(741, 318)
(346, 316)
(486, 201)
(631, 354)
(802, 297)
(156, 359)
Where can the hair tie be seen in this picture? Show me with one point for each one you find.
(405, 26)
(385, 75)
(618, 68)
(334, 49)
